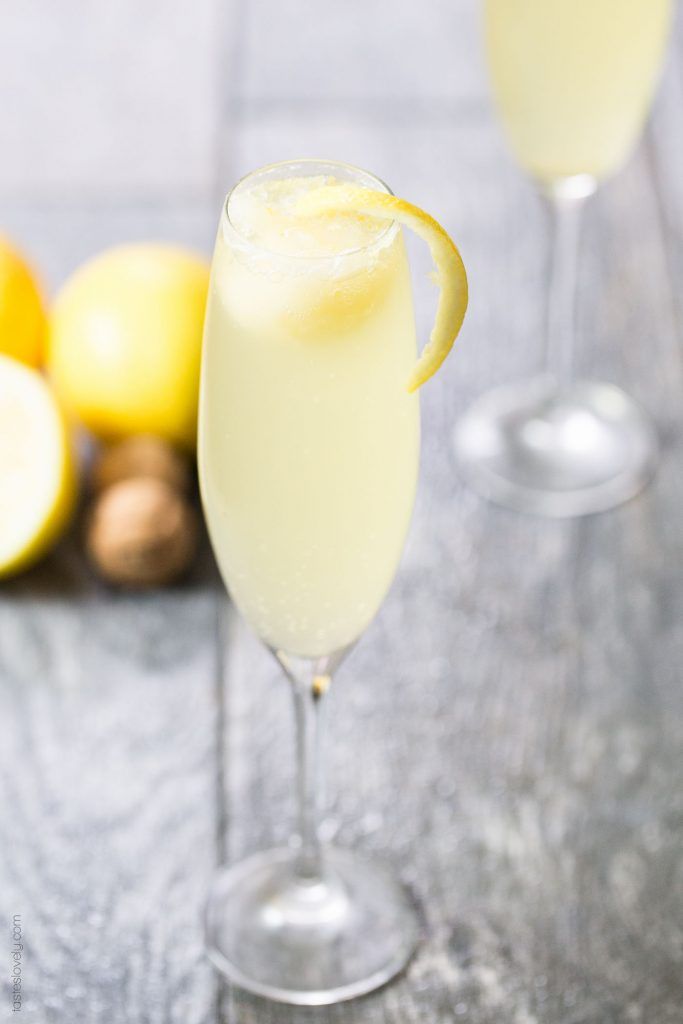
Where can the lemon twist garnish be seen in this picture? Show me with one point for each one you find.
(451, 276)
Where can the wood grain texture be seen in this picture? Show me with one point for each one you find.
(109, 100)
(363, 50)
(509, 734)
(108, 779)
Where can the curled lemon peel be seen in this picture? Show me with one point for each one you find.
(449, 274)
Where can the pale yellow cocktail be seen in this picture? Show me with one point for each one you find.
(574, 79)
(309, 439)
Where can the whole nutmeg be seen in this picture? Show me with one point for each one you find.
(141, 533)
(141, 455)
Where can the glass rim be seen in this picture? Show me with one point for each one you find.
(298, 162)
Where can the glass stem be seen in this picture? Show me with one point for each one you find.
(308, 699)
(561, 313)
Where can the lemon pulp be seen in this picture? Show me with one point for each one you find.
(36, 467)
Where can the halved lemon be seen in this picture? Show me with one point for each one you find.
(450, 270)
(37, 469)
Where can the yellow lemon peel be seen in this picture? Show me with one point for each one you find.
(450, 273)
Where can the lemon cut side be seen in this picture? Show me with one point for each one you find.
(451, 276)
(37, 470)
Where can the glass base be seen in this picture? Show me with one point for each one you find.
(309, 943)
(531, 448)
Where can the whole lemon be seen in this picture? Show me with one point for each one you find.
(125, 341)
(22, 315)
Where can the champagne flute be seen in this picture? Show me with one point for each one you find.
(573, 80)
(308, 459)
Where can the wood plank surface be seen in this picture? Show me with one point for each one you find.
(107, 732)
(509, 734)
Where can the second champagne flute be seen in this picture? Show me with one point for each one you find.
(573, 80)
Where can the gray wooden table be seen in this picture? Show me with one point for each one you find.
(510, 731)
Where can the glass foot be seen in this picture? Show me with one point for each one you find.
(583, 450)
(309, 943)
